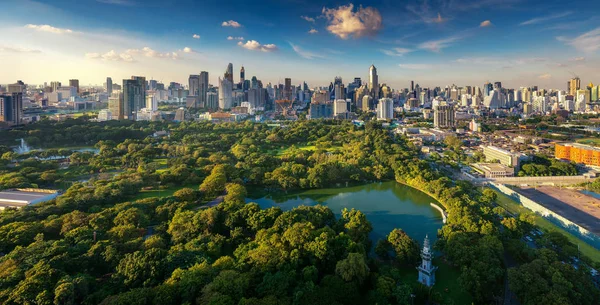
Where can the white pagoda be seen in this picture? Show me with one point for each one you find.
(426, 269)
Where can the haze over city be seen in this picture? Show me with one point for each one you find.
(436, 43)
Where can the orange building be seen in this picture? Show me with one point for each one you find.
(578, 153)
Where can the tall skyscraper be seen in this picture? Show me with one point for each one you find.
(194, 85)
(225, 93)
(229, 72)
(340, 92)
(385, 109)
(373, 82)
(55, 85)
(134, 96)
(203, 89)
(109, 85)
(287, 89)
(11, 108)
(574, 85)
(74, 83)
(242, 76)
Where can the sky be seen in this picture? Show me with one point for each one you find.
(433, 42)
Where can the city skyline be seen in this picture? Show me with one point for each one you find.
(520, 43)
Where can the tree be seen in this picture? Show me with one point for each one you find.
(352, 268)
(185, 194)
(214, 184)
(405, 248)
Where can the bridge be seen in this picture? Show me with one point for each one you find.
(550, 180)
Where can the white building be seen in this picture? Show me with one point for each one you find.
(152, 100)
(385, 109)
(104, 115)
(340, 107)
(225, 94)
(67, 92)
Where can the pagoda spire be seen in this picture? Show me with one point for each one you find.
(426, 269)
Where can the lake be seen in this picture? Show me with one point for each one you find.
(387, 205)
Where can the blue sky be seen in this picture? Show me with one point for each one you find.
(435, 43)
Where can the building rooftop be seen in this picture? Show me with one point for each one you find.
(581, 146)
(25, 197)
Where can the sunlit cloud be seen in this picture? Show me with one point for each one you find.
(313, 31)
(256, 46)
(485, 24)
(545, 76)
(196, 36)
(309, 19)
(344, 22)
(231, 23)
(111, 56)
(396, 51)
(18, 50)
(235, 38)
(440, 44)
(577, 59)
(587, 42)
(49, 29)
(545, 18)
(188, 50)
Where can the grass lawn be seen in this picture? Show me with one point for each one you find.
(590, 141)
(162, 165)
(161, 193)
(283, 151)
(515, 208)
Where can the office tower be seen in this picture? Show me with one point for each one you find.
(225, 93)
(74, 83)
(55, 86)
(373, 82)
(242, 76)
(385, 109)
(574, 85)
(443, 116)
(487, 88)
(11, 108)
(134, 96)
(498, 85)
(194, 85)
(340, 107)
(229, 73)
(287, 90)
(203, 89)
(357, 82)
(152, 101)
(340, 92)
(109, 85)
(115, 105)
(366, 103)
(358, 95)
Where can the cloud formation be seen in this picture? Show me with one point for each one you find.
(304, 53)
(48, 28)
(309, 19)
(130, 54)
(256, 46)
(438, 45)
(188, 50)
(231, 23)
(545, 18)
(485, 23)
(344, 22)
(111, 56)
(313, 31)
(18, 50)
(196, 36)
(577, 59)
(545, 76)
(235, 38)
(396, 51)
(588, 42)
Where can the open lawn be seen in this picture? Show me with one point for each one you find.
(283, 151)
(590, 141)
(515, 208)
(162, 165)
(161, 193)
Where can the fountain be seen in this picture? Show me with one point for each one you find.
(23, 148)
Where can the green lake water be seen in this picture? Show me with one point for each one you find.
(388, 205)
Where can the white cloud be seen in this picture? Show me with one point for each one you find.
(344, 22)
(256, 46)
(396, 51)
(587, 42)
(235, 38)
(18, 50)
(438, 45)
(313, 31)
(546, 18)
(485, 23)
(188, 50)
(577, 59)
(196, 36)
(111, 56)
(305, 54)
(545, 76)
(416, 66)
(231, 23)
(309, 19)
(148, 52)
(49, 29)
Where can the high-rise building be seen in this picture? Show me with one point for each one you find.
(74, 83)
(287, 90)
(242, 76)
(340, 92)
(340, 107)
(134, 96)
(443, 116)
(11, 108)
(109, 86)
(55, 86)
(203, 89)
(374, 82)
(385, 109)
(487, 88)
(225, 93)
(115, 105)
(574, 84)
(229, 72)
(194, 85)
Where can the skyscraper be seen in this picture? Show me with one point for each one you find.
(134, 96)
(203, 89)
(373, 82)
(194, 85)
(385, 109)
(443, 116)
(287, 89)
(11, 108)
(487, 88)
(74, 83)
(242, 76)
(229, 72)
(225, 93)
(109, 86)
(55, 85)
(574, 85)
